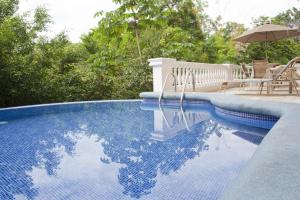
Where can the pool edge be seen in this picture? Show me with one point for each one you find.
(66, 103)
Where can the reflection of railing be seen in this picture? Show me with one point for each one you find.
(184, 119)
(181, 112)
(220, 132)
(169, 122)
(178, 120)
(164, 116)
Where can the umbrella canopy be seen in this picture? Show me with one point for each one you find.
(267, 32)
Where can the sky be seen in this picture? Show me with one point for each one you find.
(77, 16)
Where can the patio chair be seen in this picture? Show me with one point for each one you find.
(297, 72)
(278, 77)
(260, 67)
(283, 76)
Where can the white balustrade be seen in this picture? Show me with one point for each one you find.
(207, 77)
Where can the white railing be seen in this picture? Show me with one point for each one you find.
(207, 77)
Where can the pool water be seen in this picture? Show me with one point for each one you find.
(122, 150)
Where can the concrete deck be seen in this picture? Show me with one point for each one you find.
(274, 170)
(251, 93)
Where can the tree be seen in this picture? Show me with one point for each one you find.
(35, 69)
(7, 8)
(291, 17)
(17, 38)
(186, 14)
(137, 13)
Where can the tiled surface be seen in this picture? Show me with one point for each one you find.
(107, 151)
(265, 121)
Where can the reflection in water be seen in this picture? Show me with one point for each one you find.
(144, 158)
(24, 146)
(119, 151)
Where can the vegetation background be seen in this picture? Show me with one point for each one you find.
(110, 62)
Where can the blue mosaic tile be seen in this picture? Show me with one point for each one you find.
(257, 120)
(121, 150)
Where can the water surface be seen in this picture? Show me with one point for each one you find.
(121, 150)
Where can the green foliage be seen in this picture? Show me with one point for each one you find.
(186, 14)
(277, 52)
(177, 43)
(220, 50)
(291, 17)
(7, 8)
(111, 60)
(34, 69)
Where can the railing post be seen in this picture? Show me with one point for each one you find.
(161, 67)
(229, 72)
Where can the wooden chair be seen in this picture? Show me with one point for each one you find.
(260, 67)
(285, 76)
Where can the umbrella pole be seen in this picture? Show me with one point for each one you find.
(266, 53)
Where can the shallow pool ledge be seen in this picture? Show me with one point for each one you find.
(274, 170)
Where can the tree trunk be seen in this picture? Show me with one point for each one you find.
(137, 37)
(138, 45)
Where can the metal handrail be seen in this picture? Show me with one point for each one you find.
(166, 79)
(190, 73)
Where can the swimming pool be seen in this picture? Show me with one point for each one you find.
(125, 150)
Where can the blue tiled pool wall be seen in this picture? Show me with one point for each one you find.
(173, 102)
(249, 119)
(247, 115)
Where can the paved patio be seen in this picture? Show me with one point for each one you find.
(251, 93)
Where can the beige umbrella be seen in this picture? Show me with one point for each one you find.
(267, 32)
